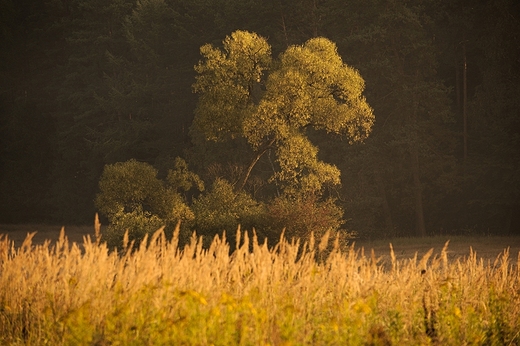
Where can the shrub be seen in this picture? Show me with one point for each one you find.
(127, 186)
(223, 209)
(134, 199)
(138, 223)
(304, 214)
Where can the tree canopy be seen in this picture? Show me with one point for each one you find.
(244, 92)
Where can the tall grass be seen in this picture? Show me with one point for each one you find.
(290, 294)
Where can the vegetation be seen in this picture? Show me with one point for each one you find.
(273, 103)
(311, 87)
(86, 84)
(135, 200)
(223, 209)
(292, 293)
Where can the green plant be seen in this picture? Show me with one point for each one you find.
(223, 209)
(134, 199)
(302, 215)
(245, 93)
(137, 223)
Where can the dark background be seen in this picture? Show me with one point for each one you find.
(84, 83)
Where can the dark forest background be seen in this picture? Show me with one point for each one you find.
(85, 83)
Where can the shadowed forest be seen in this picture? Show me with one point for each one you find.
(86, 86)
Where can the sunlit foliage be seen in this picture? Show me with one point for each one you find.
(244, 92)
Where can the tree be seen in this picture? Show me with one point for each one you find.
(30, 49)
(91, 29)
(492, 179)
(146, 97)
(271, 104)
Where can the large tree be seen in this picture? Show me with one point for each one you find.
(244, 93)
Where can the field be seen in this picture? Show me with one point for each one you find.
(68, 292)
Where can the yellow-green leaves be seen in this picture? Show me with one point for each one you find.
(127, 186)
(226, 81)
(244, 94)
(325, 92)
(132, 197)
(300, 169)
(250, 54)
(181, 178)
(224, 209)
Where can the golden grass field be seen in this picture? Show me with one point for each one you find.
(80, 293)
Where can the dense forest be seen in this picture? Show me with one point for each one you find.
(90, 83)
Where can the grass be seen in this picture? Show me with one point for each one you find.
(68, 293)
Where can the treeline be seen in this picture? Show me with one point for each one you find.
(86, 83)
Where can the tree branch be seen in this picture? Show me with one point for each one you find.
(257, 157)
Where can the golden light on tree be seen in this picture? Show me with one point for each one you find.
(246, 93)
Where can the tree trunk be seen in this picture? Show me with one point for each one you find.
(386, 206)
(420, 228)
(419, 210)
(314, 19)
(457, 87)
(253, 163)
(284, 28)
(465, 101)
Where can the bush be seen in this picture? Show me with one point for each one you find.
(127, 186)
(223, 209)
(301, 215)
(134, 199)
(138, 223)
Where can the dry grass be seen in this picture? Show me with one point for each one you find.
(67, 293)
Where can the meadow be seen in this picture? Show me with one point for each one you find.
(314, 293)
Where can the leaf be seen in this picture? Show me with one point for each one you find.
(309, 86)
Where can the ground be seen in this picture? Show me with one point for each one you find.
(487, 247)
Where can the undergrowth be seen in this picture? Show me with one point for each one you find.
(317, 293)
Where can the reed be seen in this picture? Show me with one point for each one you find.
(318, 292)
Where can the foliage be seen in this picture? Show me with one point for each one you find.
(63, 294)
(134, 199)
(226, 80)
(85, 83)
(223, 209)
(127, 186)
(243, 93)
(401, 176)
(137, 223)
(302, 216)
(181, 178)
